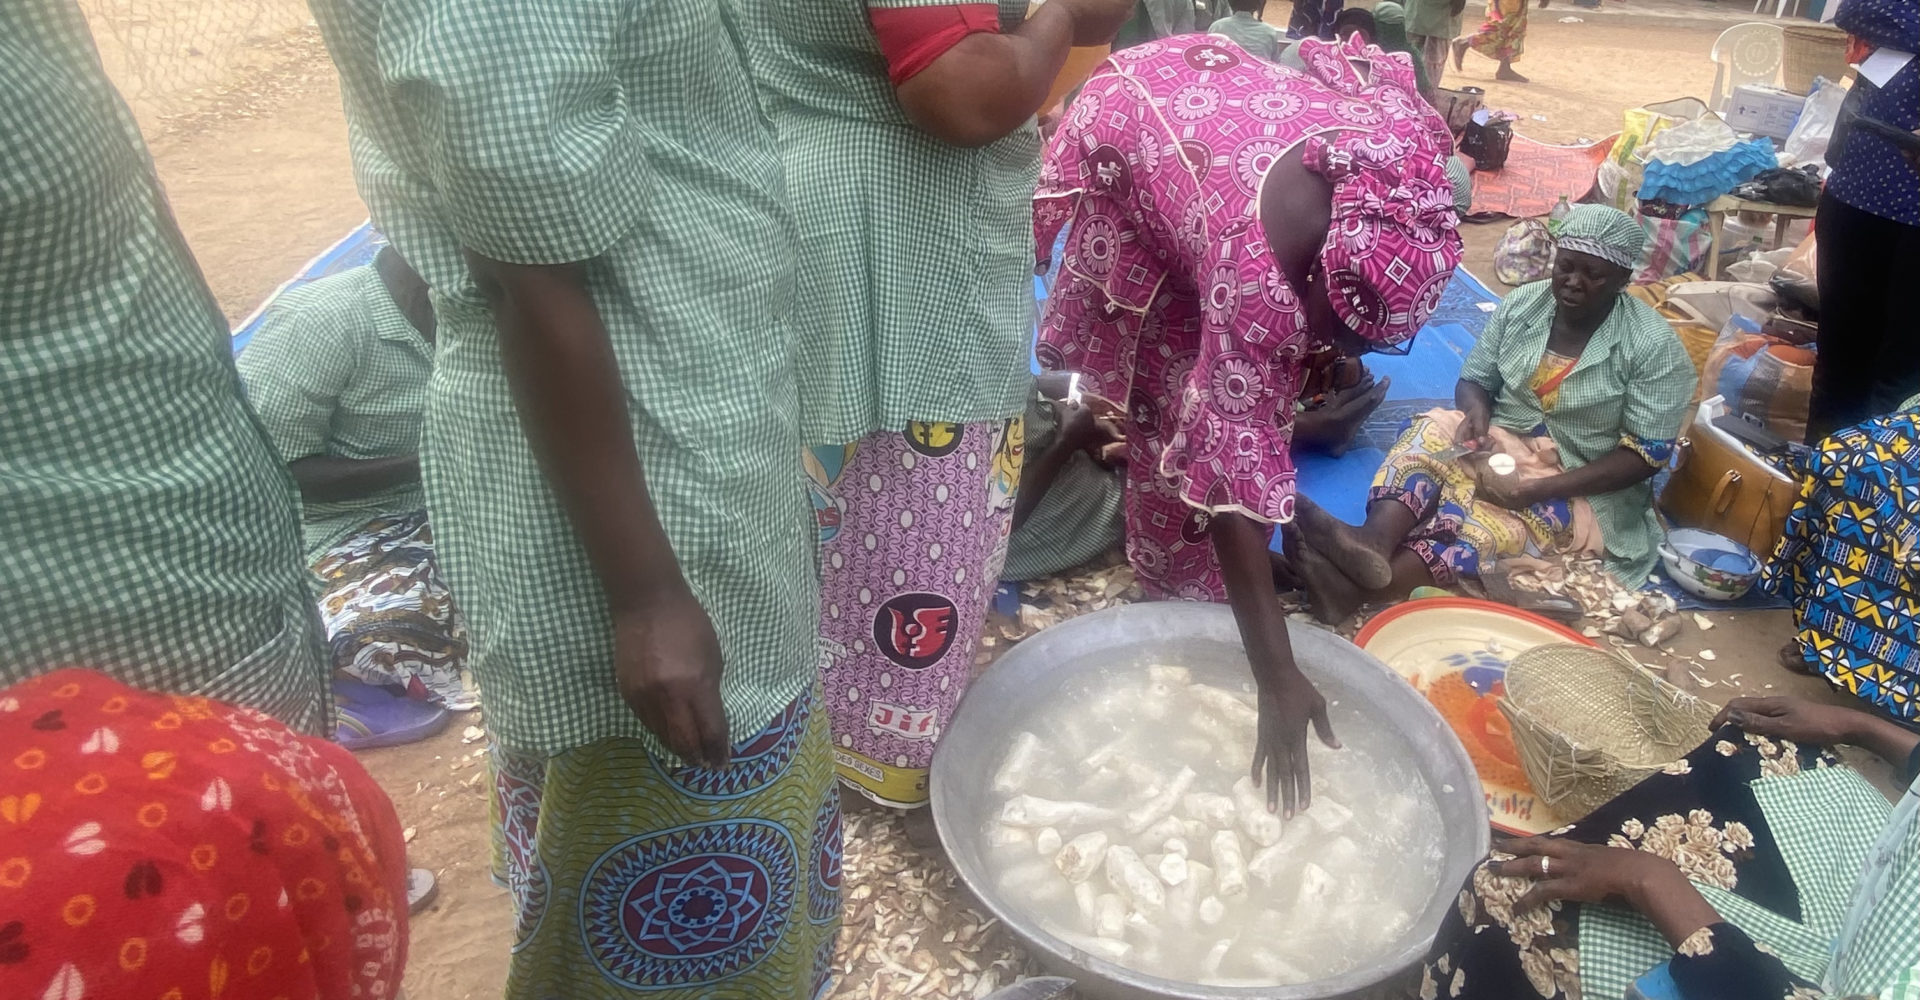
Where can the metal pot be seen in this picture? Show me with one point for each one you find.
(1204, 638)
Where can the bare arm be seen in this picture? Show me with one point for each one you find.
(566, 384)
(1288, 701)
(327, 478)
(1474, 400)
(990, 84)
(1616, 470)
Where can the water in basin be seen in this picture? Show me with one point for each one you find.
(1125, 824)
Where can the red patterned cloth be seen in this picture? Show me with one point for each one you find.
(1169, 303)
(177, 848)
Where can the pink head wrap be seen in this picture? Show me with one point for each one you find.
(1394, 240)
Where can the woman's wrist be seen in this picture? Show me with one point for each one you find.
(1884, 738)
(1675, 908)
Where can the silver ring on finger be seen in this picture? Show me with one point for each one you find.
(1545, 866)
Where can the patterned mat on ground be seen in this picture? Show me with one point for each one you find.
(1536, 176)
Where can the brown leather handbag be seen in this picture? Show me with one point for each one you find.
(1721, 488)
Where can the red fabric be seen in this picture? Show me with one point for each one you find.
(913, 37)
(174, 848)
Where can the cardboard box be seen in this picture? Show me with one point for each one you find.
(1767, 111)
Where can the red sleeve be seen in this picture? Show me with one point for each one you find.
(913, 37)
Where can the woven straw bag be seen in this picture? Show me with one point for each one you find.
(1591, 724)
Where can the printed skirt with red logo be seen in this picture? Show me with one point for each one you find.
(161, 846)
(913, 531)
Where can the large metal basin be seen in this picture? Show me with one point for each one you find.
(1204, 637)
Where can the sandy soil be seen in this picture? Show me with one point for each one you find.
(256, 164)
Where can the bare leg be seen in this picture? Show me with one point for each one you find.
(1409, 573)
(1460, 54)
(1363, 553)
(1331, 596)
(1505, 72)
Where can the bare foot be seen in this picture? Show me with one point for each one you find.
(1340, 542)
(1459, 55)
(1331, 428)
(1506, 73)
(1331, 596)
(1794, 661)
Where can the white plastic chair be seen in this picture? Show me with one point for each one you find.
(1745, 54)
(1781, 10)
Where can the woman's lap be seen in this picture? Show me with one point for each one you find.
(1456, 533)
(1701, 813)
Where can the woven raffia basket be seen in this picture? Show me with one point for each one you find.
(1590, 724)
(1812, 50)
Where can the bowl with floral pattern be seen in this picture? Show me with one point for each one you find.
(1709, 566)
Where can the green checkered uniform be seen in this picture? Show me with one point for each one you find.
(1631, 387)
(1077, 519)
(915, 299)
(336, 369)
(1257, 37)
(150, 531)
(625, 134)
(1857, 868)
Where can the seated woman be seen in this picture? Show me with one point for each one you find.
(338, 373)
(1226, 215)
(1581, 385)
(157, 845)
(1847, 564)
(1757, 867)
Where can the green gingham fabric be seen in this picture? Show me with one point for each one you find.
(1257, 37)
(916, 257)
(1878, 952)
(1077, 519)
(1631, 386)
(1824, 821)
(622, 134)
(149, 530)
(336, 369)
(1432, 18)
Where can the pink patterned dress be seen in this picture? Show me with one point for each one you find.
(1169, 303)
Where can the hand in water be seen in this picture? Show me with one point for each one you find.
(1288, 704)
(667, 663)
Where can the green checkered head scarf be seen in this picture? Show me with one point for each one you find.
(1603, 232)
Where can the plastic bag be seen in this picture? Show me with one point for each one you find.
(1674, 246)
(1763, 377)
(1525, 253)
(1798, 280)
(1807, 143)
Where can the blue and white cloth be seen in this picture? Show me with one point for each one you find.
(1871, 175)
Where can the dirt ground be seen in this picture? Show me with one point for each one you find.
(255, 161)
